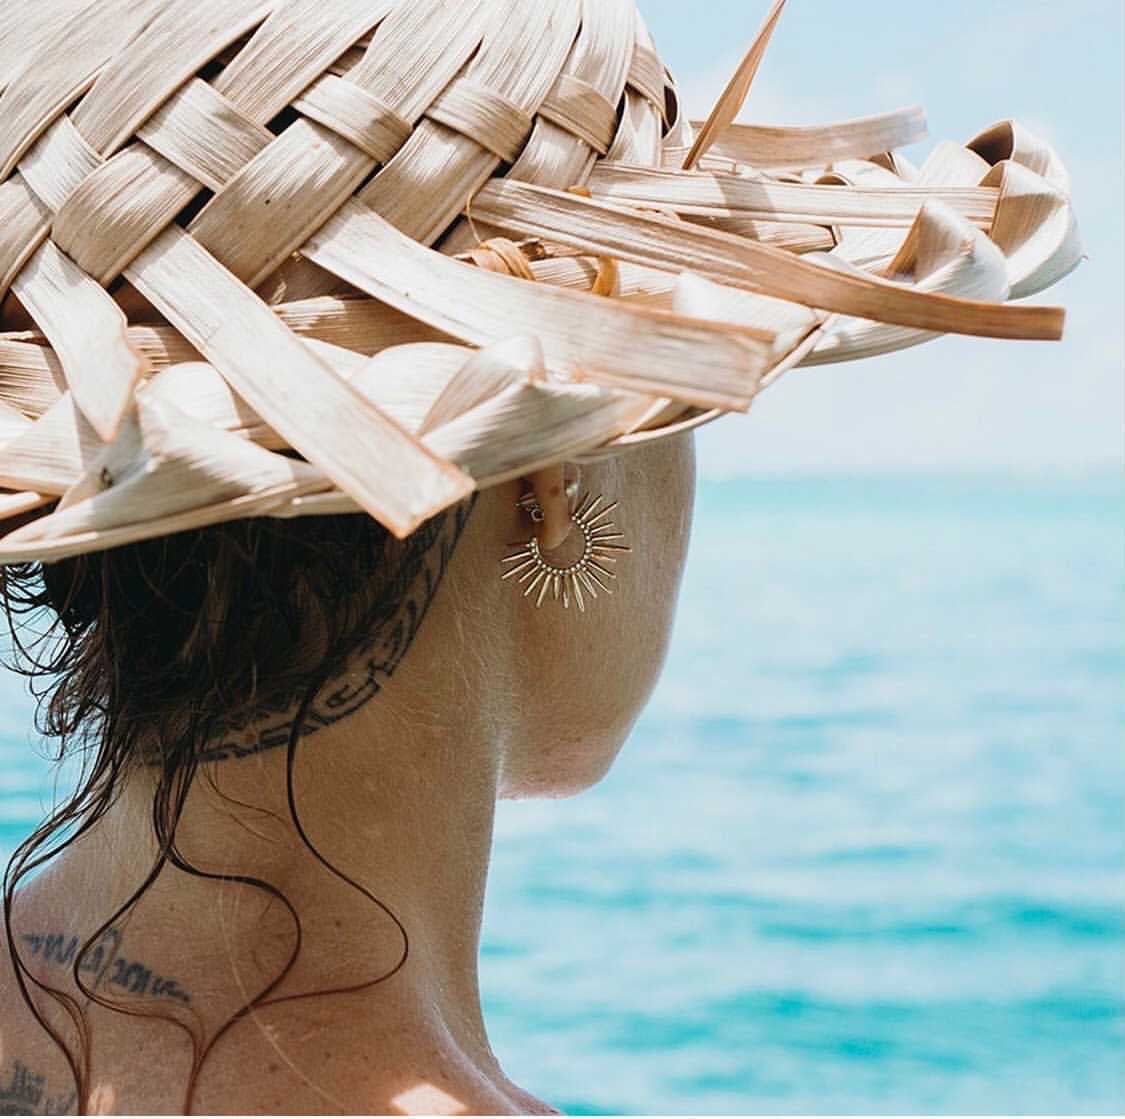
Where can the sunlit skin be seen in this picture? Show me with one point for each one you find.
(494, 699)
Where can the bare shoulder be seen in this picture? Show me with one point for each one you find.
(35, 1078)
(296, 1064)
(288, 1061)
(28, 1090)
(317, 1070)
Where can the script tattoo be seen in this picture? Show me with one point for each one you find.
(23, 1092)
(103, 962)
(406, 601)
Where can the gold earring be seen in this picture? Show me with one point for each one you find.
(588, 572)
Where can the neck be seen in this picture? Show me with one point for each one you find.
(401, 805)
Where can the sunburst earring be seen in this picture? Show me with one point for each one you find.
(588, 573)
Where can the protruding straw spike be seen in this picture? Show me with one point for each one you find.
(734, 96)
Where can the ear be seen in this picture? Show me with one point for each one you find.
(549, 485)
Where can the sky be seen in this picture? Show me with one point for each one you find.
(954, 402)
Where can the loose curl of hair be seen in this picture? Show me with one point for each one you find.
(155, 650)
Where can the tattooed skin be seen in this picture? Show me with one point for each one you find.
(103, 961)
(23, 1092)
(392, 630)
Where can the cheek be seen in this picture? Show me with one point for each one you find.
(658, 497)
(660, 483)
(601, 666)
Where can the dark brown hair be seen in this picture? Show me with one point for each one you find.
(195, 648)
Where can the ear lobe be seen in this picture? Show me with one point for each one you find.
(549, 485)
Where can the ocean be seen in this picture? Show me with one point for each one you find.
(864, 852)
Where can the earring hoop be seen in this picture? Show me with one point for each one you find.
(601, 540)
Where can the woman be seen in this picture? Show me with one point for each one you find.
(395, 787)
(265, 895)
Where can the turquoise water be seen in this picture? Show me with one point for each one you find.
(864, 851)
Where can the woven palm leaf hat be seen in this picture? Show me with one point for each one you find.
(289, 257)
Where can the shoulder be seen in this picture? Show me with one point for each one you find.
(308, 1063)
(294, 1059)
(296, 1063)
(35, 1078)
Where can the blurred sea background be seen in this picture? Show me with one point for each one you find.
(863, 851)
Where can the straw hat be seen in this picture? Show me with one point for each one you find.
(289, 257)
